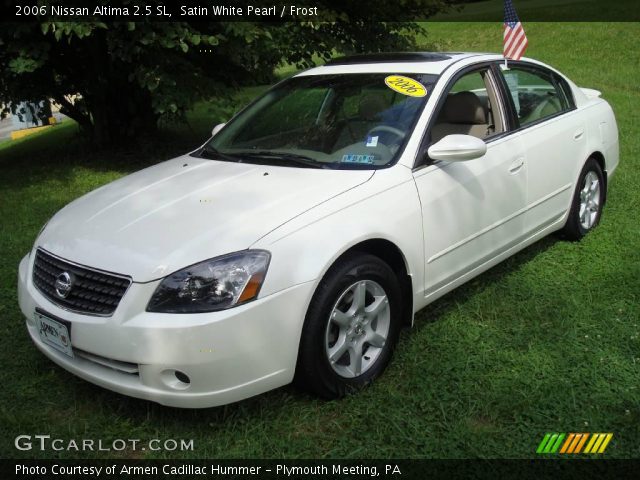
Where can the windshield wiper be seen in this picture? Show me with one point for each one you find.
(211, 153)
(300, 160)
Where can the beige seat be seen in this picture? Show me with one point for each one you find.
(546, 108)
(369, 110)
(462, 113)
(370, 107)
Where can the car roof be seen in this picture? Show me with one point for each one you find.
(409, 62)
(392, 57)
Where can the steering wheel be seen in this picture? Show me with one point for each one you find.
(386, 128)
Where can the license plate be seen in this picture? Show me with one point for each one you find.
(54, 333)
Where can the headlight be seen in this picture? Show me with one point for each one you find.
(215, 284)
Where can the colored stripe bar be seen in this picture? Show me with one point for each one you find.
(573, 445)
(567, 443)
(550, 443)
(594, 437)
(605, 443)
(543, 443)
(596, 446)
(581, 444)
(556, 446)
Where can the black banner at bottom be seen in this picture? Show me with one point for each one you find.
(320, 469)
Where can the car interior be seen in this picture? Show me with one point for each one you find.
(536, 95)
(355, 119)
(536, 104)
(470, 108)
(368, 122)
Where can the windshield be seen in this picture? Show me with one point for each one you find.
(326, 121)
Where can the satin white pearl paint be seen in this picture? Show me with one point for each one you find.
(450, 219)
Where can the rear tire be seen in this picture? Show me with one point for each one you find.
(351, 327)
(588, 200)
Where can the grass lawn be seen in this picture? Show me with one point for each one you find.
(548, 341)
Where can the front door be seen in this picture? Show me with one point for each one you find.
(472, 210)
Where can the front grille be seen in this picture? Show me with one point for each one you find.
(92, 292)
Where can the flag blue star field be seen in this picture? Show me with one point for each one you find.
(515, 40)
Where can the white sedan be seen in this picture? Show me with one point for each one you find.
(295, 244)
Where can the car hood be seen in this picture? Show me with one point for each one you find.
(186, 210)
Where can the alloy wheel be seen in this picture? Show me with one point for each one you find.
(589, 200)
(357, 329)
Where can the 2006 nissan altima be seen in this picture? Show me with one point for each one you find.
(308, 230)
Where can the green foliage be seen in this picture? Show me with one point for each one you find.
(117, 79)
(538, 10)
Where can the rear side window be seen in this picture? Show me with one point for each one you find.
(566, 89)
(536, 94)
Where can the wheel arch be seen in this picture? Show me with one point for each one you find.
(392, 255)
(599, 157)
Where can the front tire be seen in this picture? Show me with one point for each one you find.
(351, 327)
(588, 200)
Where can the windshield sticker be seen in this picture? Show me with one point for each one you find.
(350, 158)
(371, 141)
(405, 85)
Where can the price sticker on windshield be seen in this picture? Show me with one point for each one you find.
(405, 86)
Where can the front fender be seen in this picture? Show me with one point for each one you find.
(387, 207)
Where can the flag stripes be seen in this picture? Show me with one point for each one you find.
(515, 41)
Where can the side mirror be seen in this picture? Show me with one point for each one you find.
(217, 128)
(457, 148)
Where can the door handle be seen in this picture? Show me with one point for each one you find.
(578, 134)
(516, 166)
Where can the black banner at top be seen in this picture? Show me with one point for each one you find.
(315, 10)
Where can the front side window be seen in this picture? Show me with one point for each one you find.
(470, 107)
(535, 93)
(326, 121)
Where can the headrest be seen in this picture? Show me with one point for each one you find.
(370, 106)
(463, 107)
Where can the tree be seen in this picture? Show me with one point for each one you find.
(117, 79)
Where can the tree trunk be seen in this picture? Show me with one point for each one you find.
(121, 111)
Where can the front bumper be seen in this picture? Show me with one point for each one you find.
(227, 356)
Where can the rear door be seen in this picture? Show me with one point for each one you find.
(552, 136)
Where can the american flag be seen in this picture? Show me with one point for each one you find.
(515, 40)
